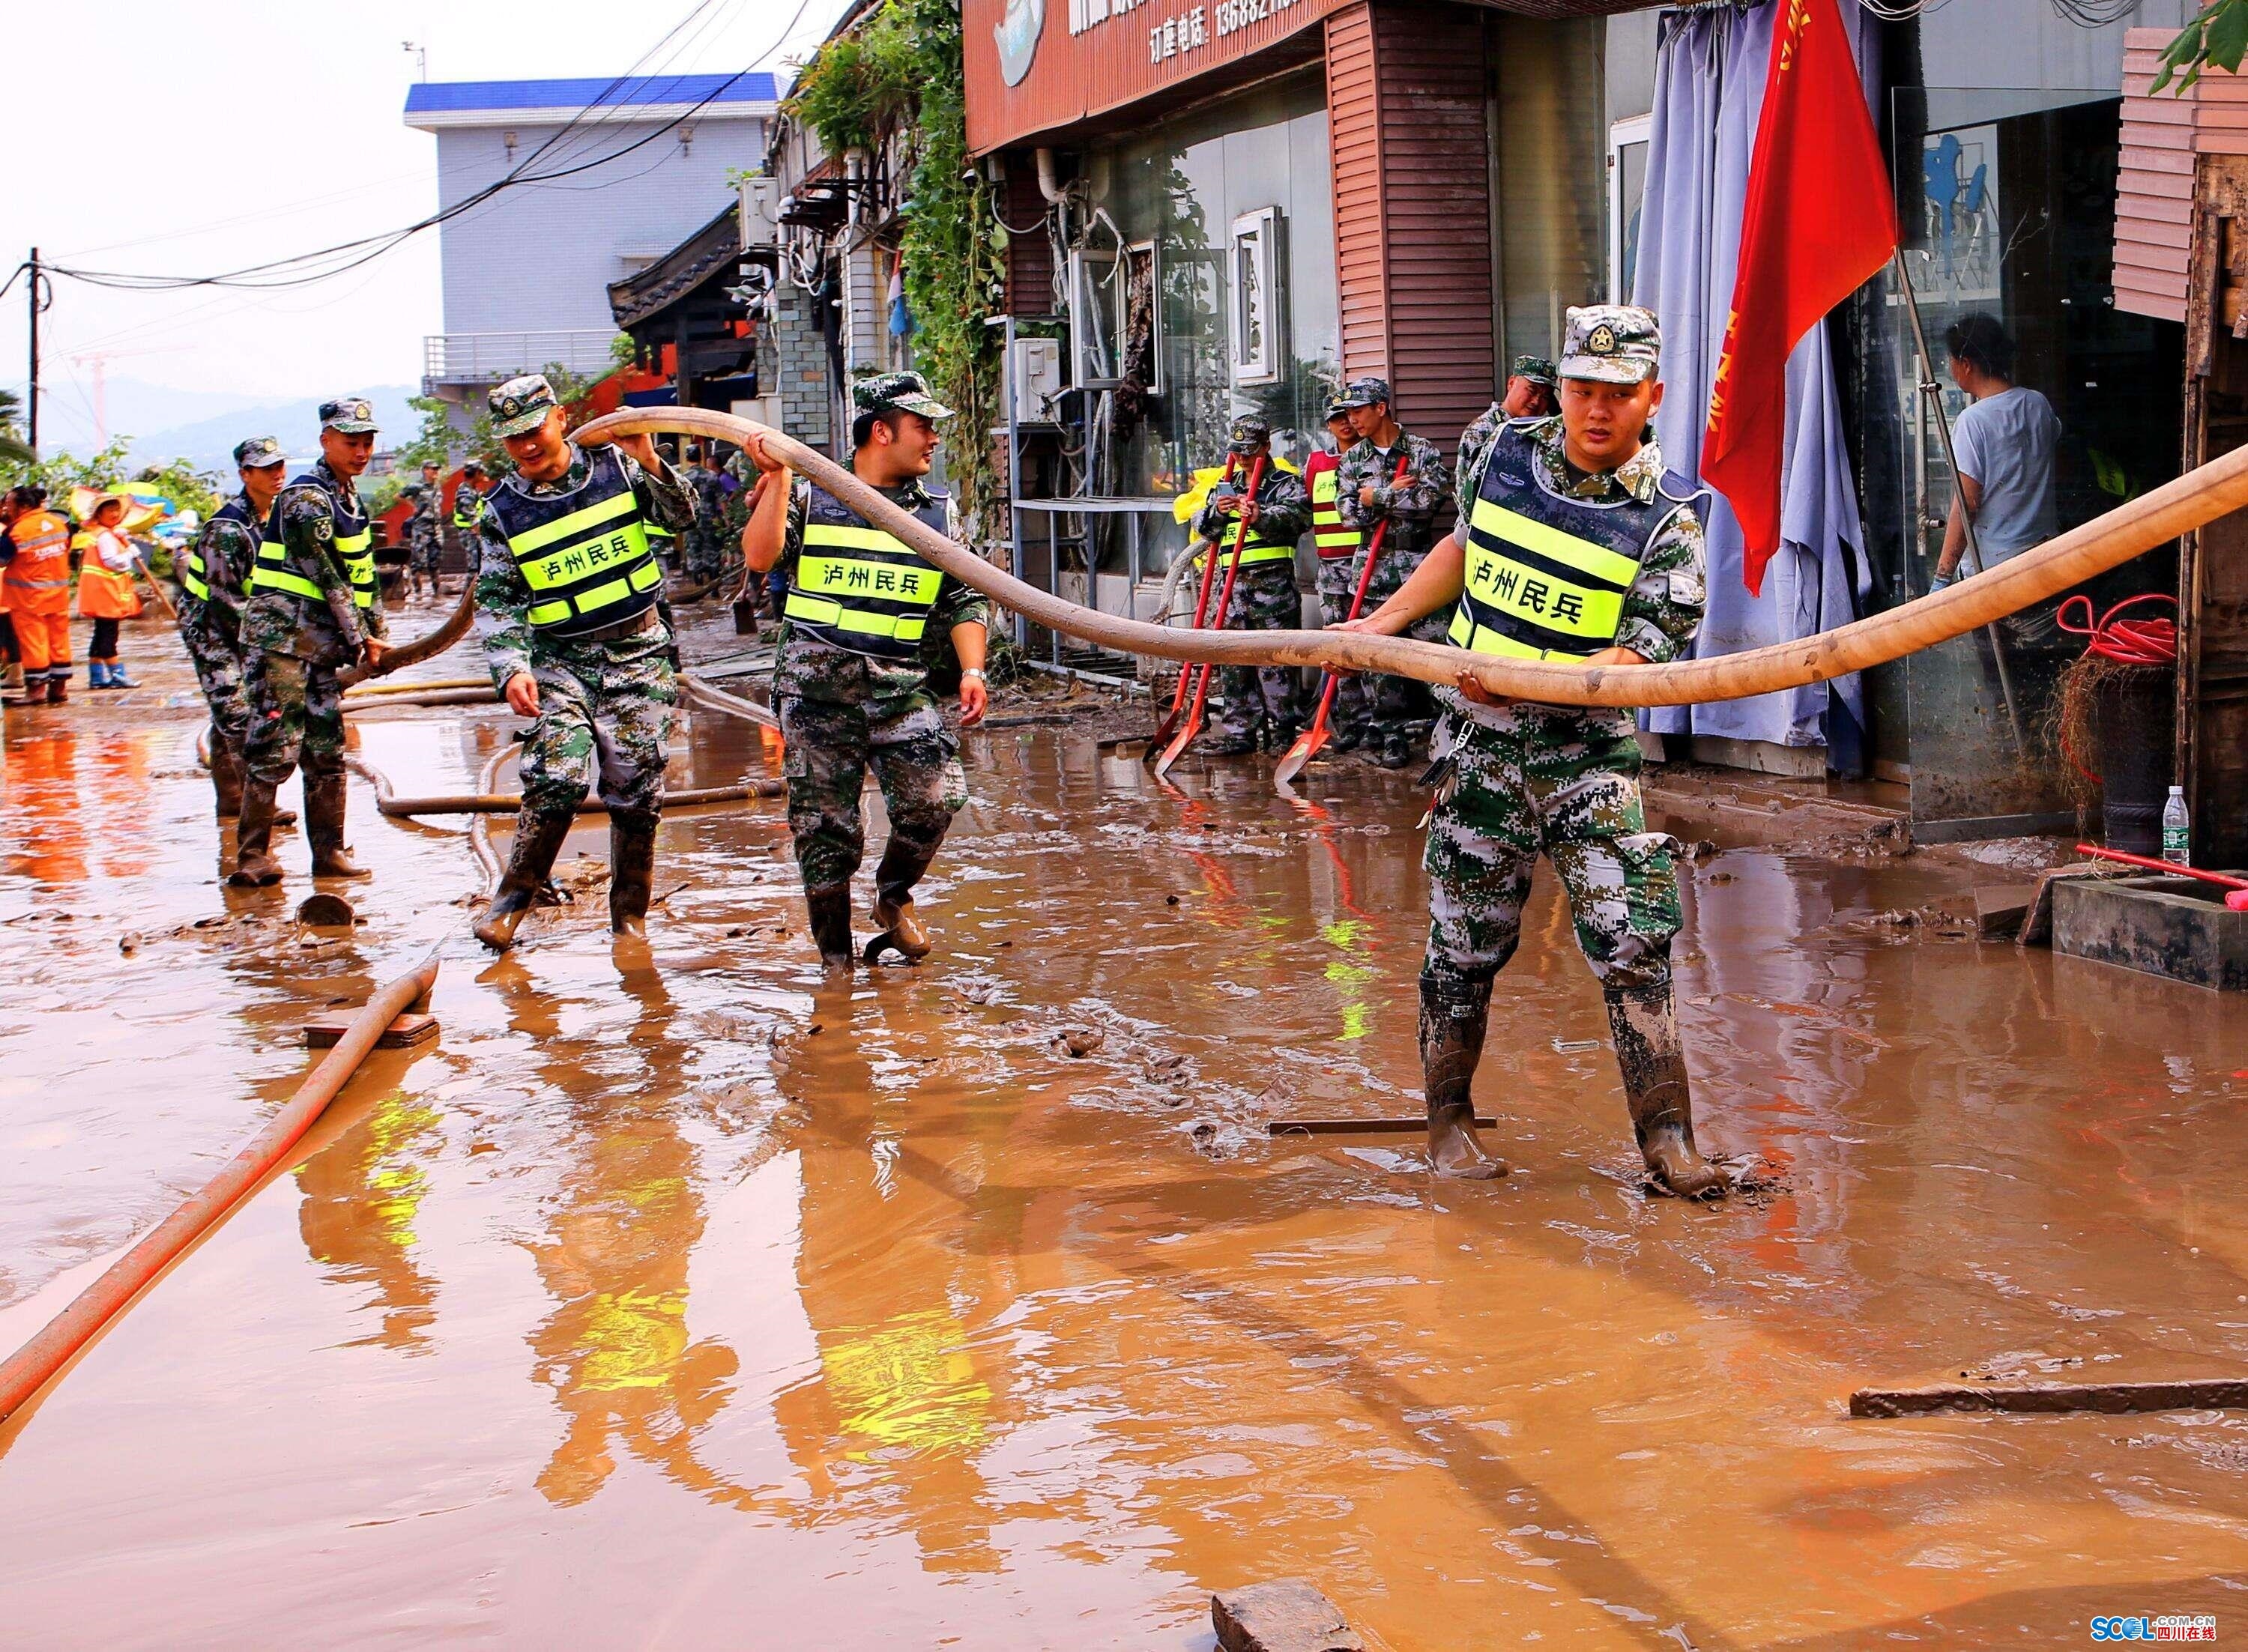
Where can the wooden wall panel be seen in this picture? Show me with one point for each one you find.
(2162, 133)
(1406, 126)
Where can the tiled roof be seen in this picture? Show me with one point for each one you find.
(432, 101)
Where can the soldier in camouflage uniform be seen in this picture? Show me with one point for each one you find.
(424, 543)
(570, 610)
(1574, 546)
(1368, 493)
(313, 611)
(213, 582)
(1340, 560)
(852, 684)
(1529, 389)
(468, 508)
(704, 544)
(1265, 594)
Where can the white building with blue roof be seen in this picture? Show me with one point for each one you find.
(618, 172)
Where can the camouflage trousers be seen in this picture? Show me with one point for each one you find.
(1265, 599)
(1338, 585)
(296, 717)
(831, 744)
(605, 712)
(218, 671)
(705, 552)
(424, 552)
(1397, 708)
(1557, 782)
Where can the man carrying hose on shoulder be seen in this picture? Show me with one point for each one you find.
(1572, 545)
(570, 610)
(850, 686)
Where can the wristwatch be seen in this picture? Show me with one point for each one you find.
(975, 671)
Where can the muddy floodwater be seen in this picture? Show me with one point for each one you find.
(673, 1299)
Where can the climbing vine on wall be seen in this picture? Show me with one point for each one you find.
(896, 79)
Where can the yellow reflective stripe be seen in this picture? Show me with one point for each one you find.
(352, 545)
(271, 578)
(1481, 639)
(1326, 487)
(644, 576)
(1336, 536)
(1554, 545)
(601, 595)
(812, 610)
(906, 627)
(1495, 580)
(548, 614)
(592, 556)
(1267, 553)
(886, 581)
(853, 538)
(191, 576)
(592, 516)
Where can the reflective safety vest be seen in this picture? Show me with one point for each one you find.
(1546, 577)
(194, 575)
(354, 548)
(1253, 549)
(39, 579)
(467, 507)
(584, 554)
(1332, 538)
(858, 588)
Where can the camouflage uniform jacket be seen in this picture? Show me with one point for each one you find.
(278, 622)
(1414, 508)
(811, 670)
(1663, 609)
(512, 643)
(228, 547)
(1285, 515)
(1475, 445)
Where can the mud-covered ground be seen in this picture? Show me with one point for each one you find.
(673, 1299)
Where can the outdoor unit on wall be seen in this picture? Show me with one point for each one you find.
(1034, 380)
(1254, 309)
(760, 211)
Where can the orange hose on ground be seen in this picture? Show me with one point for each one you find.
(27, 1370)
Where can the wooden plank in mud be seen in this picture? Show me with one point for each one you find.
(2218, 1394)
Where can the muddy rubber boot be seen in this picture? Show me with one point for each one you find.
(324, 824)
(830, 913)
(1451, 1045)
(12, 687)
(538, 840)
(117, 677)
(254, 865)
(1654, 1083)
(903, 863)
(226, 775)
(59, 687)
(632, 871)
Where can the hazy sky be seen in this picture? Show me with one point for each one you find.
(153, 135)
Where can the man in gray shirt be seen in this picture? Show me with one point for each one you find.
(2005, 443)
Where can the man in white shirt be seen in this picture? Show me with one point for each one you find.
(2005, 443)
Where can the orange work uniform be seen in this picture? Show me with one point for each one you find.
(37, 583)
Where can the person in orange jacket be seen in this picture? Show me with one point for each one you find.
(11, 663)
(37, 584)
(105, 593)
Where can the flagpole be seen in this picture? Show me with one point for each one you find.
(1933, 392)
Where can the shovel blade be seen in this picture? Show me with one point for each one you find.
(1173, 751)
(1307, 745)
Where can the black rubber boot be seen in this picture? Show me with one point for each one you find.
(830, 912)
(254, 865)
(538, 840)
(632, 871)
(1451, 1044)
(898, 928)
(226, 772)
(324, 825)
(1396, 751)
(1654, 1083)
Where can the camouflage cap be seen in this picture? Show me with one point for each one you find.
(1537, 369)
(1613, 343)
(521, 405)
(901, 392)
(1250, 432)
(257, 453)
(1337, 409)
(352, 416)
(1363, 393)
(473, 468)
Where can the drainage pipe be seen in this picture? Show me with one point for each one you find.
(706, 694)
(2131, 530)
(423, 648)
(483, 694)
(27, 1370)
(386, 690)
(511, 803)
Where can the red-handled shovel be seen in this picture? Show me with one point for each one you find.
(2235, 901)
(1291, 763)
(1161, 736)
(1185, 736)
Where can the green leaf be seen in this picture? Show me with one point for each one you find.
(2226, 36)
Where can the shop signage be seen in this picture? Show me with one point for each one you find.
(1114, 52)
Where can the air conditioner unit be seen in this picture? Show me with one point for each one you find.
(1034, 380)
(761, 208)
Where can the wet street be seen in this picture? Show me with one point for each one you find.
(674, 1299)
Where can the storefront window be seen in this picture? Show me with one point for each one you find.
(2007, 212)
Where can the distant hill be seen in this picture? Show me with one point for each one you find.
(208, 442)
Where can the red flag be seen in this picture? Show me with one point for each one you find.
(1819, 221)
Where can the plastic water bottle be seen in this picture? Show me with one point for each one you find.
(2176, 828)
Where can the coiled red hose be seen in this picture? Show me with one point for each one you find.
(2125, 641)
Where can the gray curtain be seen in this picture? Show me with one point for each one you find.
(1709, 86)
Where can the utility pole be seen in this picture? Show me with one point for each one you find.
(31, 287)
(422, 53)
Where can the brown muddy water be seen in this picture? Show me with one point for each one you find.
(674, 1300)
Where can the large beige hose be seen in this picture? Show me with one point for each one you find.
(2199, 496)
(426, 646)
